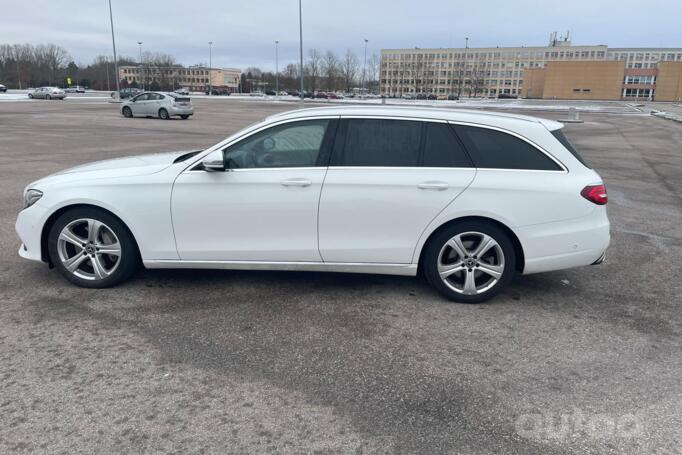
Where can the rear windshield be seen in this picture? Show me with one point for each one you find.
(179, 98)
(561, 138)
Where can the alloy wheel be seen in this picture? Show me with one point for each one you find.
(89, 249)
(471, 263)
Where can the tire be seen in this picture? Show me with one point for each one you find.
(127, 112)
(184, 116)
(48, 97)
(90, 267)
(30, 96)
(472, 278)
(163, 114)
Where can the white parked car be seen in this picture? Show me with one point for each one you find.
(48, 93)
(158, 104)
(469, 197)
(182, 91)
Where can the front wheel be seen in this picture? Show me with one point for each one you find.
(470, 262)
(163, 114)
(30, 96)
(127, 112)
(92, 248)
(48, 97)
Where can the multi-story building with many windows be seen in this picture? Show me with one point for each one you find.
(196, 78)
(493, 71)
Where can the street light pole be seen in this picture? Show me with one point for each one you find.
(277, 68)
(300, 32)
(139, 43)
(113, 42)
(210, 65)
(364, 69)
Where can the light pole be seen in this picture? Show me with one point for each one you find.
(364, 69)
(139, 43)
(210, 65)
(113, 42)
(276, 68)
(300, 34)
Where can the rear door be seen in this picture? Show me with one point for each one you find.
(387, 180)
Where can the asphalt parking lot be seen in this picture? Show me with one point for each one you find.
(578, 361)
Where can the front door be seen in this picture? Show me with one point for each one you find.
(264, 208)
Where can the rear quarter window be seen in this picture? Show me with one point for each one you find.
(559, 135)
(493, 149)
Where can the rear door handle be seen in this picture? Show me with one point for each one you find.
(438, 186)
(296, 182)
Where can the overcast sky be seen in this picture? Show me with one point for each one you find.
(244, 32)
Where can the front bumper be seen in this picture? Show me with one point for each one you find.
(29, 227)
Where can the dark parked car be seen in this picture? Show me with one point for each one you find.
(421, 96)
(506, 96)
(432, 96)
(220, 91)
(270, 93)
(321, 95)
(453, 97)
(3, 89)
(127, 92)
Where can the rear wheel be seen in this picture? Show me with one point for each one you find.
(92, 248)
(127, 112)
(470, 262)
(30, 96)
(163, 114)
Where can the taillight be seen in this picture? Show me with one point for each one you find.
(595, 194)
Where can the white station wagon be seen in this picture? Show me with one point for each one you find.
(469, 198)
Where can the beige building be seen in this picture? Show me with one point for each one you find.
(669, 83)
(583, 80)
(497, 70)
(196, 78)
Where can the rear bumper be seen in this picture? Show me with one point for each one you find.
(566, 244)
(178, 110)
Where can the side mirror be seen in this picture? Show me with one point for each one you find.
(214, 162)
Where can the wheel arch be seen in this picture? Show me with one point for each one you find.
(45, 232)
(518, 248)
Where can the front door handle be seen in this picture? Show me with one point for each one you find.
(438, 186)
(297, 182)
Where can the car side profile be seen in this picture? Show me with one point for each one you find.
(158, 104)
(469, 198)
(48, 93)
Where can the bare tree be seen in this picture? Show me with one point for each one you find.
(349, 69)
(56, 58)
(313, 68)
(330, 69)
(373, 72)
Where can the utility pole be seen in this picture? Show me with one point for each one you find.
(364, 70)
(276, 68)
(210, 65)
(113, 42)
(300, 32)
(139, 43)
(466, 51)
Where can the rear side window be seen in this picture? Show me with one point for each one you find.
(559, 135)
(379, 142)
(442, 148)
(494, 149)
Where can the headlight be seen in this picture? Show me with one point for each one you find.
(31, 197)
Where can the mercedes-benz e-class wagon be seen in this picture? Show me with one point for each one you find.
(468, 198)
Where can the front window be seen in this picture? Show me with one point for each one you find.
(295, 144)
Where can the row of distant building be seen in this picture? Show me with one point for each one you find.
(557, 71)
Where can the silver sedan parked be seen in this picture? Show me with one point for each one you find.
(158, 104)
(48, 93)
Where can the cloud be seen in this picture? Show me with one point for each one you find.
(244, 32)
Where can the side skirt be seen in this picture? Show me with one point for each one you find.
(342, 267)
